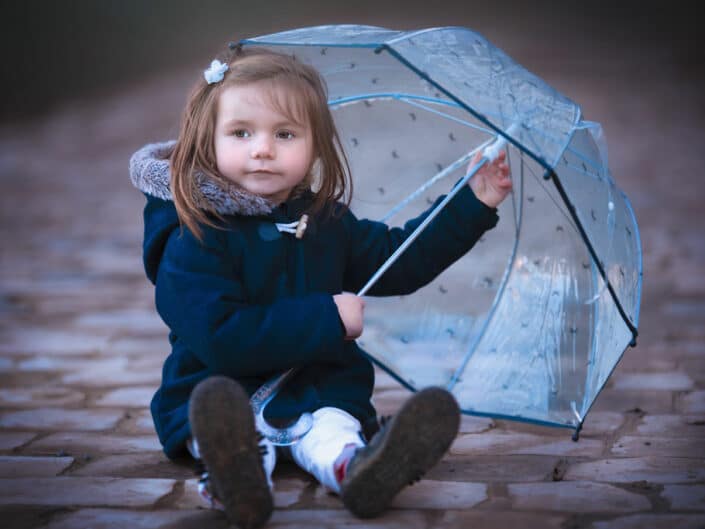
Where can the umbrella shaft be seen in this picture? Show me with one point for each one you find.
(411, 238)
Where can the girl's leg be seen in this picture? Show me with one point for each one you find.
(225, 439)
(334, 433)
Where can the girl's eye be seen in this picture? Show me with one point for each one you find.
(285, 135)
(241, 133)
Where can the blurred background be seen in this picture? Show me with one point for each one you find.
(56, 51)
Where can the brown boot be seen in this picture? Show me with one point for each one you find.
(224, 428)
(404, 449)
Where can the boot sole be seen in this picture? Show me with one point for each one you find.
(418, 436)
(223, 424)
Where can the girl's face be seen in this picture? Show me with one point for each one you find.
(258, 148)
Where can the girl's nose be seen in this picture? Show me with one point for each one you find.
(262, 148)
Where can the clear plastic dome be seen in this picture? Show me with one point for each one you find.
(531, 322)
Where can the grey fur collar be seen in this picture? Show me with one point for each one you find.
(149, 172)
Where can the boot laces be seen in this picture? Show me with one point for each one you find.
(205, 487)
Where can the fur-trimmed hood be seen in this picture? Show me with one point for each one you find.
(149, 172)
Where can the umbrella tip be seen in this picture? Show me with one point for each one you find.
(576, 433)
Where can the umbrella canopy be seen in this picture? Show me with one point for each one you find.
(530, 324)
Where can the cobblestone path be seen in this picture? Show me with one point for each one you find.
(81, 345)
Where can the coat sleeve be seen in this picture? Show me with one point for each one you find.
(201, 299)
(448, 237)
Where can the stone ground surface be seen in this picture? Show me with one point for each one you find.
(81, 345)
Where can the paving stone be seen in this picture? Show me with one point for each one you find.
(690, 308)
(695, 367)
(389, 401)
(507, 426)
(134, 321)
(322, 498)
(111, 262)
(426, 494)
(101, 377)
(681, 346)
(154, 519)
(10, 440)
(652, 521)
(51, 363)
(136, 465)
(92, 443)
(39, 397)
(694, 402)
(22, 466)
(441, 495)
(651, 469)
(137, 347)
(335, 518)
(151, 362)
(673, 381)
(47, 286)
(471, 424)
(25, 517)
(135, 397)
(686, 497)
(476, 519)
(189, 498)
(650, 401)
(61, 419)
(70, 491)
(694, 348)
(523, 443)
(489, 469)
(672, 426)
(51, 342)
(575, 497)
(137, 422)
(62, 307)
(647, 360)
(601, 422)
(633, 446)
(287, 492)
(384, 381)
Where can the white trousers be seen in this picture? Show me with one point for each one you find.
(332, 430)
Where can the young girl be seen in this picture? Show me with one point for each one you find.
(250, 287)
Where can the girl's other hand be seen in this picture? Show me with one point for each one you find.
(350, 308)
(491, 184)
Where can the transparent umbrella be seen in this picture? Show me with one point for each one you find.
(530, 323)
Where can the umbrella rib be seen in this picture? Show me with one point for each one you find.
(495, 303)
(454, 166)
(540, 181)
(468, 124)
(571, 209)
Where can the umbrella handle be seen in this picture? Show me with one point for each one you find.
(492, 151)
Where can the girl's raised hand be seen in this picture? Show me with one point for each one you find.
(350, 308)
(491, 184)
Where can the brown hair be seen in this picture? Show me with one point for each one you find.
(304, 100)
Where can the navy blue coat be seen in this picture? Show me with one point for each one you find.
(249, 302)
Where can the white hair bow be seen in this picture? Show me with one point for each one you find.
(216, 72)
